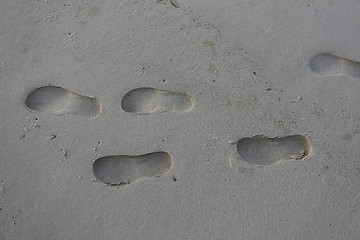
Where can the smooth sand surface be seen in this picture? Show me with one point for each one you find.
(184, 119)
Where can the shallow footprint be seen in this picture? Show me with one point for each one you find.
(263, 151)
(331, 65)
(59, 100)
(123, 169)
(151, 100)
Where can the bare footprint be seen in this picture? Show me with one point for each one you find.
(331, 65)
(59, 101)
(151, 100)
(123, 169)
(260, 150)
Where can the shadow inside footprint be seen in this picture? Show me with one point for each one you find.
(331, 65)
(151, 100)
(123, 169)
(58, 100)
(260, 150)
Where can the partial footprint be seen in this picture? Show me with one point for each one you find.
(260, 150)
(123, 169)
(151, 100)
(331, 65)
(59, 100)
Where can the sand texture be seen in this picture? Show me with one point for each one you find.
(186, 119)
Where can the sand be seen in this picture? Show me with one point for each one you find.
(161, 119)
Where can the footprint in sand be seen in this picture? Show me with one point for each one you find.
(58, 100)
(263, 151)
(123, 169)
(331, 65)
(151, 100)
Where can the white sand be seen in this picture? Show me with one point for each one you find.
(160, 93)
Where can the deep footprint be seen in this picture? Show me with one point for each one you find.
(263, 151)
(123, 169)
(331, 65)
(151, 100)
(58, 100)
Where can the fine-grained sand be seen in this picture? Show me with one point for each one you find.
(164, 119)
